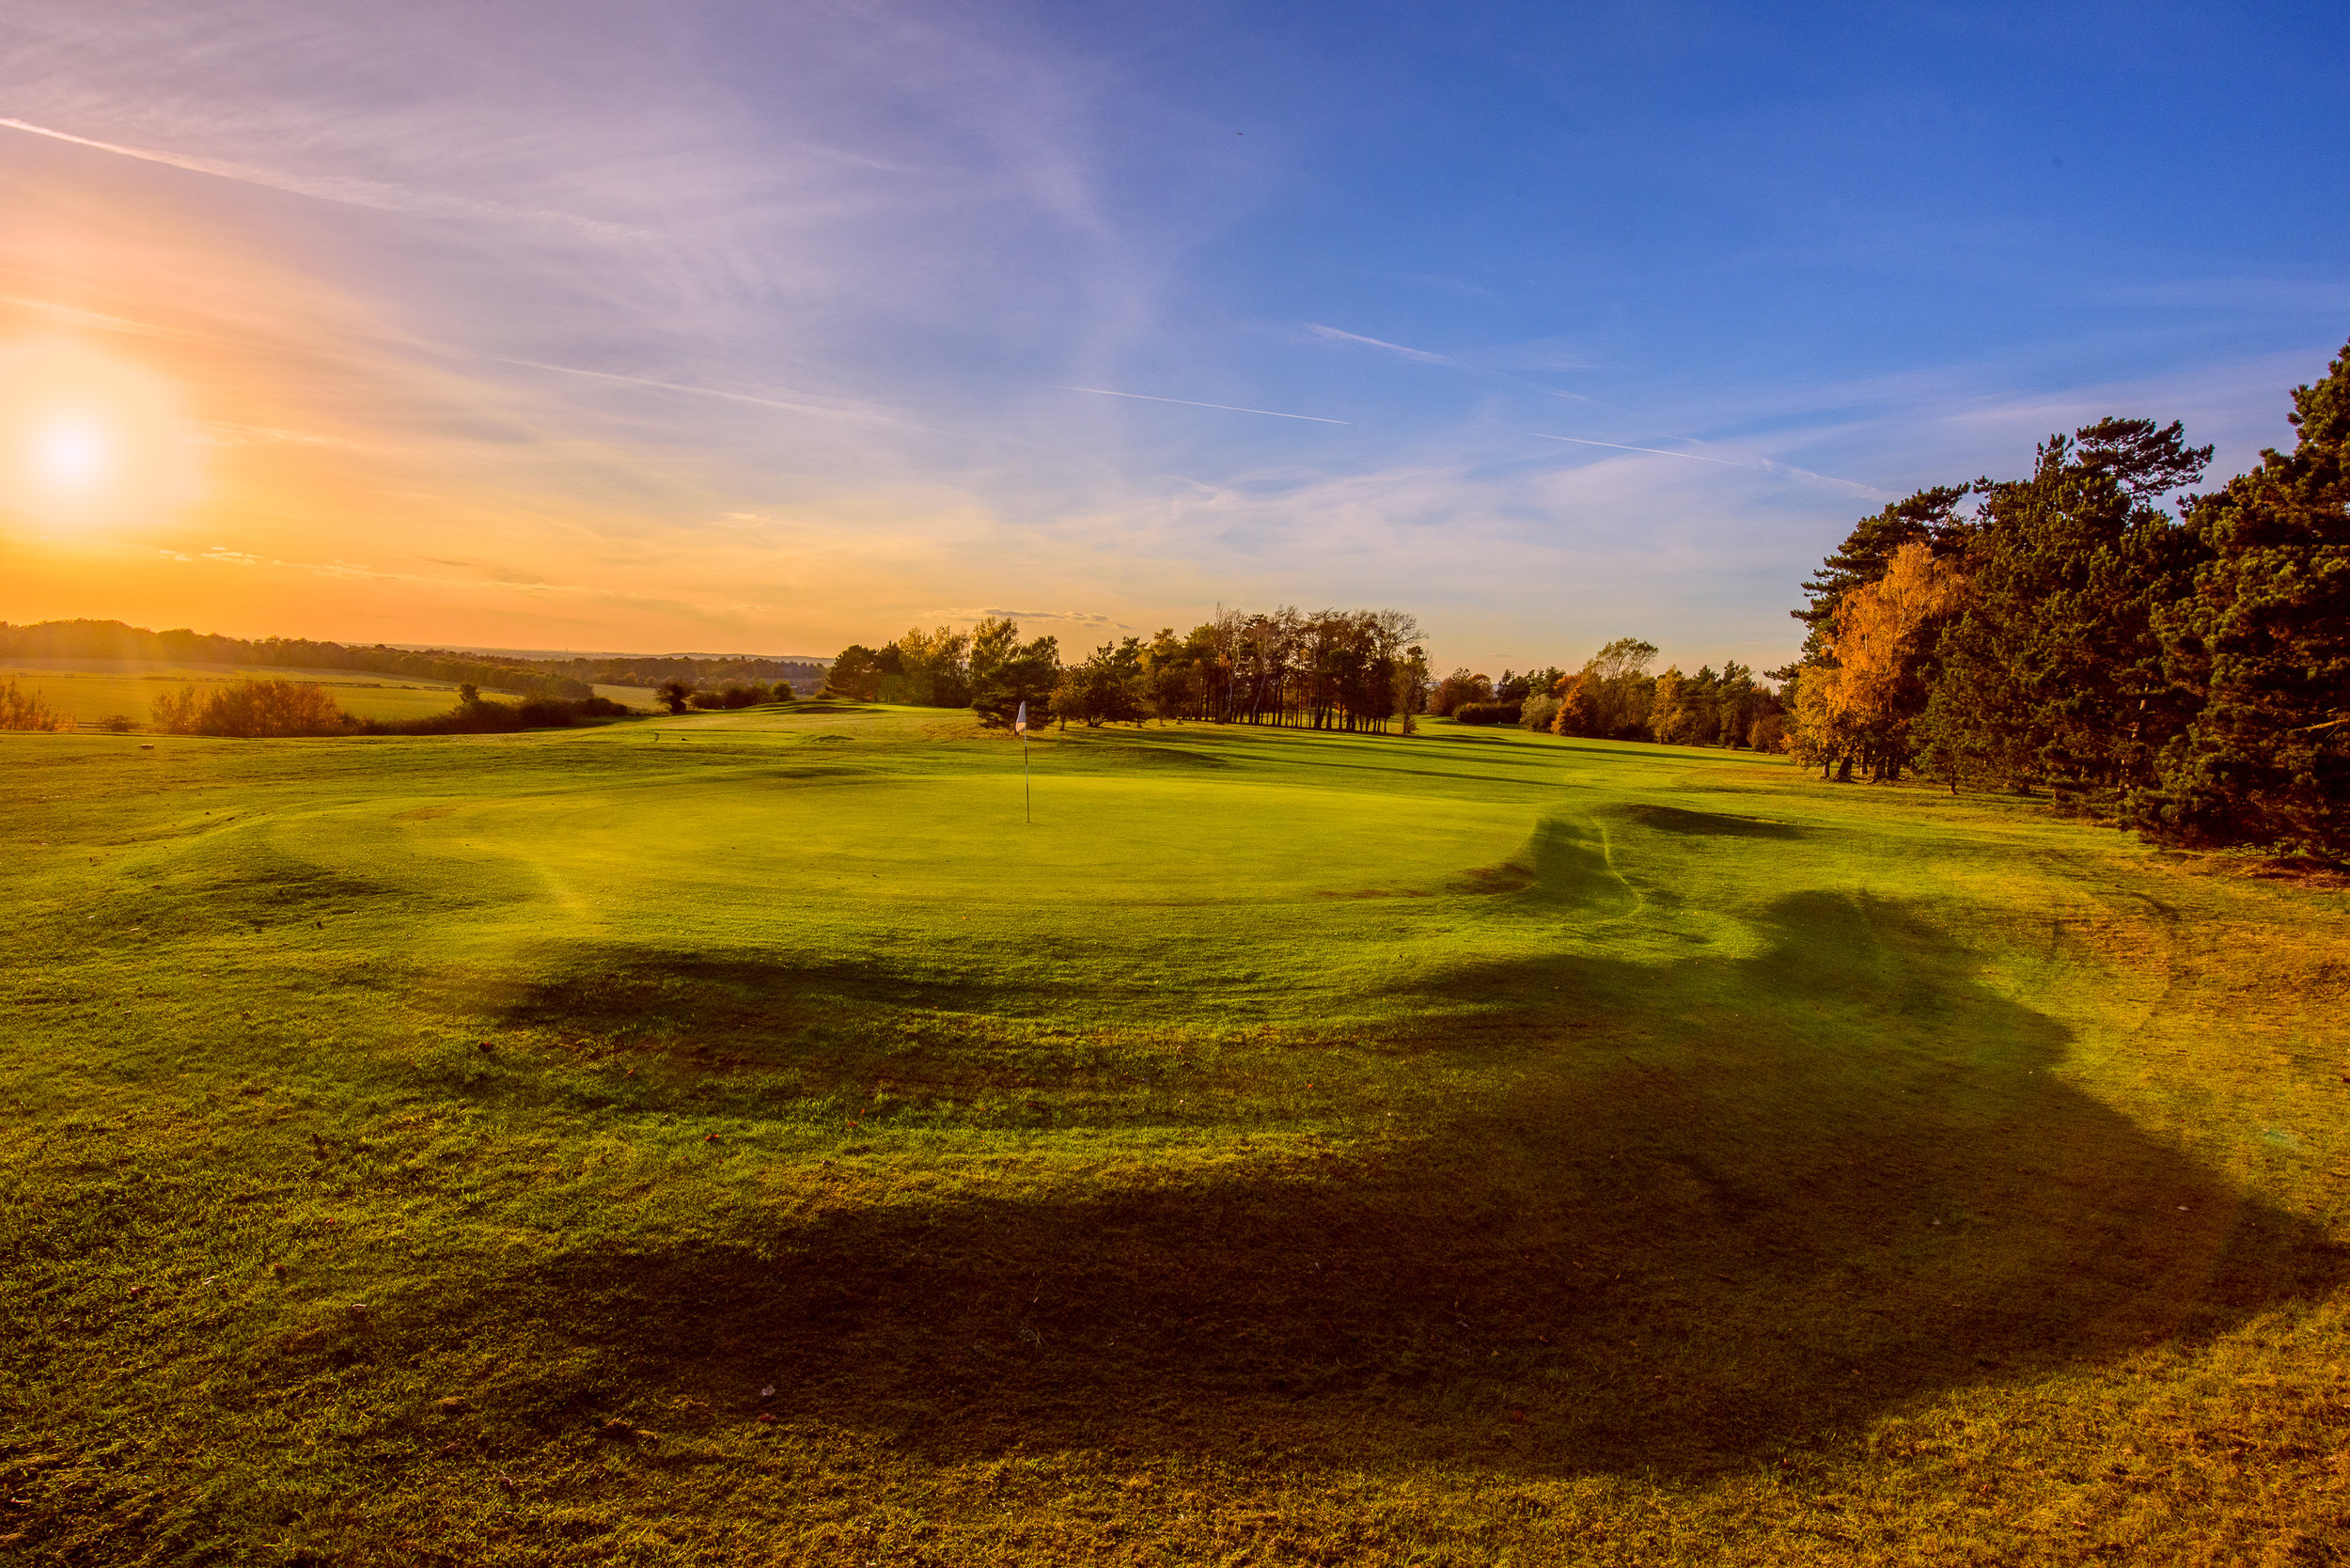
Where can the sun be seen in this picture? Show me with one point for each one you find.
(73, 455)
(87, 441)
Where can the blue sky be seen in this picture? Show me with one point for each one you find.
(772, 326)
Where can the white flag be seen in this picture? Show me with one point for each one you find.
(1020, 725)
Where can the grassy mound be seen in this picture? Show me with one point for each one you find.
(741, 1138)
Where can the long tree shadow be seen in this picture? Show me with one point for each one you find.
(1705, 825)
(1709, 1211)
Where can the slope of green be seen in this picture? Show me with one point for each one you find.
(744, 1138)
(96, 690)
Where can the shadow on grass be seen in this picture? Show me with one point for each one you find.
(1706, 1212)
(760, 1010)
(1706, 825)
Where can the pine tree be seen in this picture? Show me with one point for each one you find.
(2265, 641)
(2056, 671)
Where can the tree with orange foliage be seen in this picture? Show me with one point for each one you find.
(1862, 705)
(1611, 695)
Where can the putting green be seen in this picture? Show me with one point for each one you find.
(791, 841)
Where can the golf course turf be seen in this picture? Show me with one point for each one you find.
(741, 1138)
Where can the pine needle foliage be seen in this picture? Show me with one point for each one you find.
(2261, 645)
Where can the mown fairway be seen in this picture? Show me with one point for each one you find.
(741, 1139)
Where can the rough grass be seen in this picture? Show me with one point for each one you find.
(96, 690)
(740, 1138)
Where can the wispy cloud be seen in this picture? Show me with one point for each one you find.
(1765, 465)
(1229, 408)
(1654, 451)
(226, 433)
(1851, 487)
(1080, 617)
(2327, 298)
(1539, 355)
(67, 315)
(827, 411)
(488, 578)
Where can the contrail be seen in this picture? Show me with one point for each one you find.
(1420, 354)
(199, 165)
(696, 391)
(1658, 451)
(1229, 408)
(350, 193)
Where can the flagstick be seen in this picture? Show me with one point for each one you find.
(1019, 728)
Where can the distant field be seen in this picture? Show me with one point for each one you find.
(744, 1138)
(99, 689)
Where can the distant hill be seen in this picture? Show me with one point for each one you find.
(528, 673)
(804, 671)
(112, 640)
(558, 654)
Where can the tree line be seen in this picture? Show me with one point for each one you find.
(787, 677)
(1347, 670)
(1615, 697)
(1355, 670)
(2187, 670)
(680, 696)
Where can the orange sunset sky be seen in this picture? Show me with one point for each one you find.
(771, 328)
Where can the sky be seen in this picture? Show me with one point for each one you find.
(770, 327)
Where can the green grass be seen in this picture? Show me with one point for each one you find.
(741, 1138)
(96, 690)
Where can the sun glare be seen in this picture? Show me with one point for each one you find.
(73, 455)
(86, 441)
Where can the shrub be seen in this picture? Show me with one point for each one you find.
(1487, 712)
(121, 723)
(1540, 710)
(175, 711)
(28, 710)
(735, 694)
(484, 717)
(1458, 688)
(253, 710)
(256, 709)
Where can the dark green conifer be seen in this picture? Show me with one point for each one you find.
(2054, 672)
(2263, 640)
